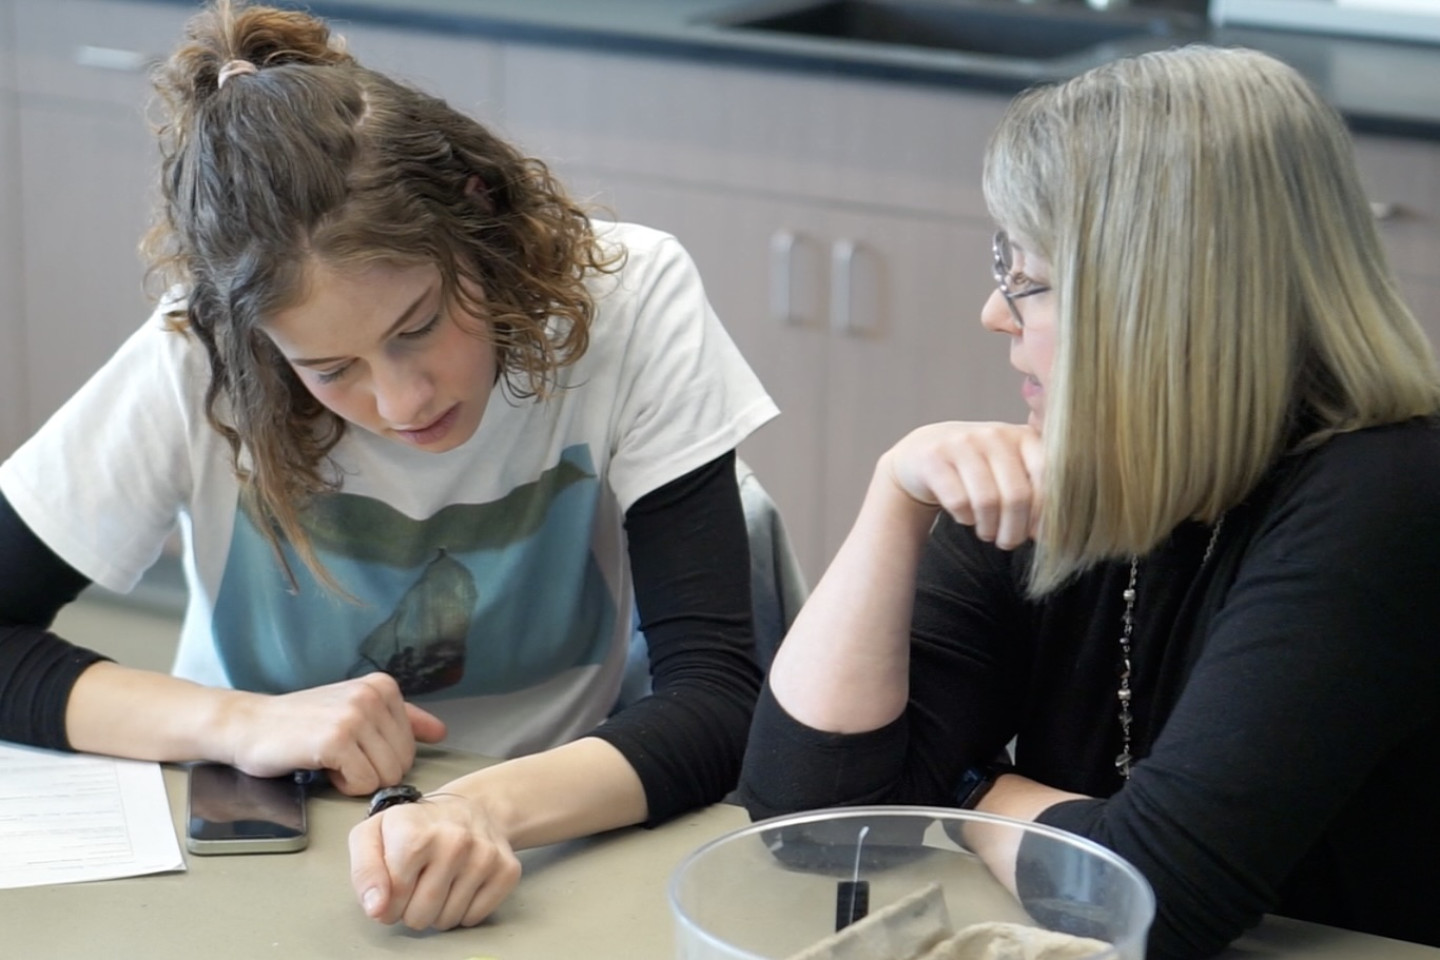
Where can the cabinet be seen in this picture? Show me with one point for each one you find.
(843, 238)
(861, 324)
(838, 223)
(838, 226)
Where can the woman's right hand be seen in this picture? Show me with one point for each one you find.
(985, 475)
(361, 732)
(440, 863)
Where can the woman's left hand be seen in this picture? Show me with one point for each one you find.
(438, 863)
(986, 475)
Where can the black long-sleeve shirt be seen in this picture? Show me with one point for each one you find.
(690, 559)
(1286, 696)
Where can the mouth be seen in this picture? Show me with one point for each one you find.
(434, 431)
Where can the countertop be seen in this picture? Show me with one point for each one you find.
(1381, 87)
(602, 898)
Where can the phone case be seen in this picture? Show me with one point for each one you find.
(230, 812)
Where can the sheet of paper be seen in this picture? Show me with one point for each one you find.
(69, 817)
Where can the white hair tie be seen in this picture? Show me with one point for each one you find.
(232, 69)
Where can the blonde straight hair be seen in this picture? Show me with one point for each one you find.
(1222, 294)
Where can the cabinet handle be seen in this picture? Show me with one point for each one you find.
(855, 300)
(795, 291)
(782, 279)
(115, 59)
(1384, 210)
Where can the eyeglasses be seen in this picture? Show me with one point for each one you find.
(1005, 270)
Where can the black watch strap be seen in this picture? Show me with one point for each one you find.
(387, 797)
(977, 781)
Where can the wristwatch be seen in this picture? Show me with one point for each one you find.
(387, 797)
(977, 781)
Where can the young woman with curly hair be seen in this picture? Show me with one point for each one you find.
(429, 432)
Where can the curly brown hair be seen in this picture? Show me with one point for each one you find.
(312, 158)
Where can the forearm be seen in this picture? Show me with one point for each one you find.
(690, 556)
(844, 664)
(1021, 798)
(686, 742)
(1018, 798)
(145, 715)
(574, 790)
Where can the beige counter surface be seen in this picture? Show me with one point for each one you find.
(600, 899)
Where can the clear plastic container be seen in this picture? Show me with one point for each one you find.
(777, 887)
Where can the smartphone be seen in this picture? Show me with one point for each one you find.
(233, 812)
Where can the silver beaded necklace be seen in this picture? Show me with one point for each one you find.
(1125, 760)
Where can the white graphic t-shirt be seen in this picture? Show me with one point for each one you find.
(491, 580)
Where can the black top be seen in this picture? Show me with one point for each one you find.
(1287, 701)
(689, 555)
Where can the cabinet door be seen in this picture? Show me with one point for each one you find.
(908, 348)
(862, 326)
(87, 180)
(87, 169)
(738, 244)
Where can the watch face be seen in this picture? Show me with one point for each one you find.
(387, 797)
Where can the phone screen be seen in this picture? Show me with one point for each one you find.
(233, 812)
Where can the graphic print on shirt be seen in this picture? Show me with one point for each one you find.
(477, 599)
(422, 644)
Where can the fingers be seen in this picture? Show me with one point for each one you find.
(985, 475)
(949, 487)
(462, 889)
(386, 750)
(1032, 452)
(371, 762)
(422, 866)
(369, 875)
(424, 725)
(371, 743)
(361, 732)
(999, 492)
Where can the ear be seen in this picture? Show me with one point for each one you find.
(476, 190)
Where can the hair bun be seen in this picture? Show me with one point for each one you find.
(227, 32)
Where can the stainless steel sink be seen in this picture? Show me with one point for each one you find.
(996, 29)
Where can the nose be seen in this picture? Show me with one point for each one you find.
(995, 315)
(404, 394)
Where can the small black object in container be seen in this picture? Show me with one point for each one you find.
(852, 902)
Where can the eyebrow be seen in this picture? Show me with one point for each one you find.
(405, 318)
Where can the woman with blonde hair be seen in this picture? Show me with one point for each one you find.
(430, 433)
(1199, 590)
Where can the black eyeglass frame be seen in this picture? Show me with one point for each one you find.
(1004, 268)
